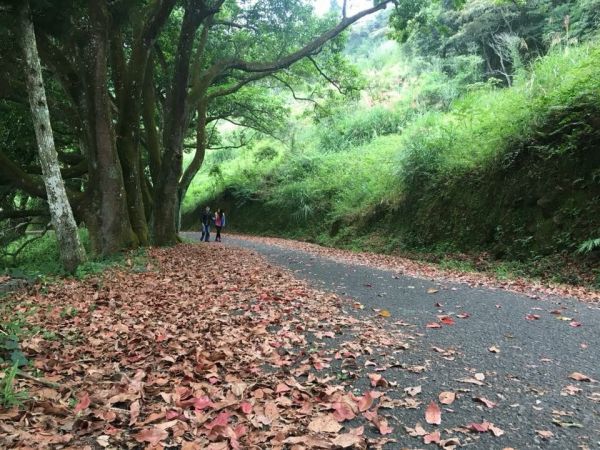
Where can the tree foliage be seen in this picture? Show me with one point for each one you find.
(503, 33)
(132, 82)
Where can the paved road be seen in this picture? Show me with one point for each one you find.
(528, 377)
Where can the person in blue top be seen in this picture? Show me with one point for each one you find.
(206, 220)
(219, 223)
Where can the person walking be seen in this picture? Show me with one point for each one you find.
(206, 219)
(219, 223)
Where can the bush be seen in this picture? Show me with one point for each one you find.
(352, 128)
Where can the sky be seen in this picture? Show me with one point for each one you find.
(322, 6)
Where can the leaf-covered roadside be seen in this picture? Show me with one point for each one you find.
(212, 348)
(421, 269)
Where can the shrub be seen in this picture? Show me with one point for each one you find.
(353, 128)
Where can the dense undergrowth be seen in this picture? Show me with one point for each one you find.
(436, 167)
(34, 257)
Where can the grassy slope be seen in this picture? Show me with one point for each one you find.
(40, 258)
(514, 172)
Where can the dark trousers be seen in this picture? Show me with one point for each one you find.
(218, 238)
(205, 233)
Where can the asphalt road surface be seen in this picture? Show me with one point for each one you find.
(525, 348)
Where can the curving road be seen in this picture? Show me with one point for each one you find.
(526, 349)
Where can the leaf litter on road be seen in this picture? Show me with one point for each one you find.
(433, 414)
(421, 269)
(191, 356)
(198, 356)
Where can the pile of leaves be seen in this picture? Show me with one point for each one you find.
(209, 347)
(422, 269)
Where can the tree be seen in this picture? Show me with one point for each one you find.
(140, 77)
(504, 33)
(71, 250)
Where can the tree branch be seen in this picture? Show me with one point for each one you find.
(289, 86)
(23, 214)
(253, 127)
(236, 25)
(19, 178)
(286, 61)
(236, 87)
(149, 121)
(27, 182)
(158, 12)
(324, 75)
(75, 171)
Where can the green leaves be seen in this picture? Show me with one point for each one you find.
(9, 397)
(589, 246)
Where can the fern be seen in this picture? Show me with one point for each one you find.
(589, 246)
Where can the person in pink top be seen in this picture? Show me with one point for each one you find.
(219, 223)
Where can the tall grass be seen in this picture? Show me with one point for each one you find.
(482, 125)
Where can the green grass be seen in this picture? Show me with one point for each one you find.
(40, 259)
(10, 397)
(456, 264)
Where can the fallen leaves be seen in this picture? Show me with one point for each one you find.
(385, 313)
(348, 440)
(412, 391)
(83, 402)
(218, 358)
(410, 267)
(471, 380)
(377, 380)
(577, 376)
(488, 403)
(479, 376)
(447, 398)
(446, 320)
(381, 424)
(544, 434)
(325, 424)
(344, 410)
(486, 426)
(479, 427)
(433, 414)
(366, 401)
(235, 359)
(432, 438)
(151, 435)
(556, 421)
(417, 431)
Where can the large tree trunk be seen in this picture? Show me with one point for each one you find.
(128, 129)
(166, 198)
(149, 117)
(108, 198)
(196, 164)
(128, 147)
(71, 251)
